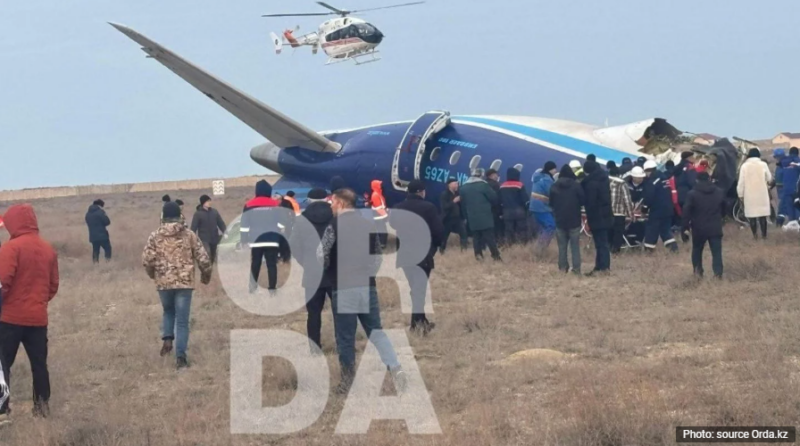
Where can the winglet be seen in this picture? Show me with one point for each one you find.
(278, 128)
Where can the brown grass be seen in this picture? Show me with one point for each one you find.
(646, 349)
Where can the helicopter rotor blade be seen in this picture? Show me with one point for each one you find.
(306, 14)
(387, 7)
(334, 9)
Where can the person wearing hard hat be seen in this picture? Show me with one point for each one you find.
(658, 198)
(636, 187)
(577, 169)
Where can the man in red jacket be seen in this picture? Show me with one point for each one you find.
(29, 275)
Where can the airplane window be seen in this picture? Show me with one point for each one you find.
(454, 157)
(474, 162)
(435, 153)
(496, 165)
(518, 167)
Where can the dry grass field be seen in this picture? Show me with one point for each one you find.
(633, 355)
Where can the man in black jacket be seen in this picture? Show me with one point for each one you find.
(262, 228)
(208, 225)
(98, 222)
(415, 203)
(599, 215)
(566, 200)
(452, 221)
(702, 212)
(514, 201)
(305, 240)
(493, 179)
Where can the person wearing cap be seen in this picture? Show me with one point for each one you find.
(790, 175)
(493, 178)
(514, 200)
(164, 199)
(477, 200)
(262, 228)
(540, 204)
(305, 240)
(452, 221)
(599, 214)
(30, 280)
(661, 209)
(753, 191)
(416, 204)
(208, 225)
(621, 206)
(566, 200)
(625, 167)
(97, 221)
(702, 214)
(169, 259)
(640, 161)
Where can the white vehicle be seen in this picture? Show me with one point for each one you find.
(343, 38)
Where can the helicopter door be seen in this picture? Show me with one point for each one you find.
(411, 151)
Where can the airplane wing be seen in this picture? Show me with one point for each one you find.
(275, 126)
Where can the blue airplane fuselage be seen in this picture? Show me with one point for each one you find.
(367, 154)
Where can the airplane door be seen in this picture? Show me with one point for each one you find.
(409, 154)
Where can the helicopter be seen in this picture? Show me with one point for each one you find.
(343, 38)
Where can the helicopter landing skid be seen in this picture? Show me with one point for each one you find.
(359, 59)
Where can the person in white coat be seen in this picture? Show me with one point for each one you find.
(753, 190)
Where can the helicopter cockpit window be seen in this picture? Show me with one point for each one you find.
(336, 35)
(368, 33)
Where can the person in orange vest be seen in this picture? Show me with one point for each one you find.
(379, 210)
(295, 206)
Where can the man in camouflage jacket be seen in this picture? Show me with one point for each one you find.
(169, 259)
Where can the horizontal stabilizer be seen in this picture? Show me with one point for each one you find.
(270, 123)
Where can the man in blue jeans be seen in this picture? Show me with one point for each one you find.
(169, 259)
(566, 200)
(350, 254)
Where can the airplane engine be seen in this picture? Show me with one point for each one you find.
(267, 155)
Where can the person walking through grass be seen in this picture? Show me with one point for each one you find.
(208, 225)
(350, 252)
(29, 275)
(304, 241)
(169, 259)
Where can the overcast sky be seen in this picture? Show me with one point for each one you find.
(80, 104)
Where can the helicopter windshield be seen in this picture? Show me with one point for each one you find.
(369, 33)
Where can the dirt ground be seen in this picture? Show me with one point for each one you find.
(623, 360)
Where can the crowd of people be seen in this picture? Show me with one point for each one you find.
(631, 205)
